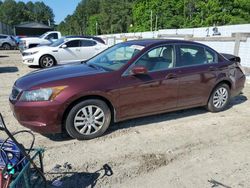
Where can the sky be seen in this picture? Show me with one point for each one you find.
(61, 8)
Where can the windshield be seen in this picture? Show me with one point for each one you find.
(57, 42)
(115, 57)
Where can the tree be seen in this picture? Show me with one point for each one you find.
(112, 16)
(14, 13)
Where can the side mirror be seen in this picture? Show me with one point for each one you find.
(139, 70)
(64, 46)
(2, 125)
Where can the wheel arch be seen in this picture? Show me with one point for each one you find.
(76, 101)
(7, 44)
(219, 83)
(47, 55)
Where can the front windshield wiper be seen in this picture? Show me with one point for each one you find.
(83, 62)
(98, 67)
(93, 66)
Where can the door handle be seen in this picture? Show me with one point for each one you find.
(78, 50)
(171, 76)
(211, 68)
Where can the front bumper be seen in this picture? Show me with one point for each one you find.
(41, 117)
(30, 60)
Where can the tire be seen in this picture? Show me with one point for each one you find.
(80, 124)
(6, 46)
(219, 98)
(47, 61)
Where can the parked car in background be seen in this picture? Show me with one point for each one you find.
(129, 80)
(64, 50)
(45, 39)
(98, 39)
(7, 42)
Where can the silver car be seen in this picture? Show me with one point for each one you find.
(7, 42)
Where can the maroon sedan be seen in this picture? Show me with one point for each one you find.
(128, 80)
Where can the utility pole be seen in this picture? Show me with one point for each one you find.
(184, 12)
(96, 28)
(151, 21)
(156, 22)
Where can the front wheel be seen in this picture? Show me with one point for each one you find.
(47, 61)
(6, 46)
(88, 119)
(219, 98)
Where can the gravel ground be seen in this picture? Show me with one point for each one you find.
(188, 148)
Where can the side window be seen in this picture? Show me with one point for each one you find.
(73, 44)
(191, 55)
(87, 43)
(211, 56)
(52, 36)
(3, 37)
(158, 59)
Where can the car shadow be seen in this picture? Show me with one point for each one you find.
(152, 119)
(169, 116)
(3, 56)
(34, 66)
(8, 69)
(237, 100)
(79, 179)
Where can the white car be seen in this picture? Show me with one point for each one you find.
(64, 50)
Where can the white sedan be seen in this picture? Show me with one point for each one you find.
(64, 50)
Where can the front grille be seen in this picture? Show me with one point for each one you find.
(15, 93)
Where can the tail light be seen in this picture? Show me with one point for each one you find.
(241, 68)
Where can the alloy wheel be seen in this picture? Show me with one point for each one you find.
(6, 47)
(47, 61)
(89, 120)
(220, 97)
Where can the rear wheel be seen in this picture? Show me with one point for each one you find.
(88, 119)
(6, 46)
(219, 98)
(47, 61)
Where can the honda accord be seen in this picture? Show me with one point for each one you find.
(129, 80)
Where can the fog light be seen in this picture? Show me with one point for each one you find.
(29, 60)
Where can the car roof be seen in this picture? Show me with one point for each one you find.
(149, 42)
(98, 39)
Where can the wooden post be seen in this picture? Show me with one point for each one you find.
(237, 44)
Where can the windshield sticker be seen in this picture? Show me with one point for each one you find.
(137, 47)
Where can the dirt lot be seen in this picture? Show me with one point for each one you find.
(189, 148)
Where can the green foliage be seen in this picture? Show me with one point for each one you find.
(112, 16)
(13, 13)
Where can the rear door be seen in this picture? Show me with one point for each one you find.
(87, 49)
(197, 73)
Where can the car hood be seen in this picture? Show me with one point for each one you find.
(45, 76)
(39, 48)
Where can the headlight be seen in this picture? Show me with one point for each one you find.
(29, 53)
(43, 94)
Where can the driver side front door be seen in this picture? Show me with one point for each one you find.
(70, 53)
(153, 92)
